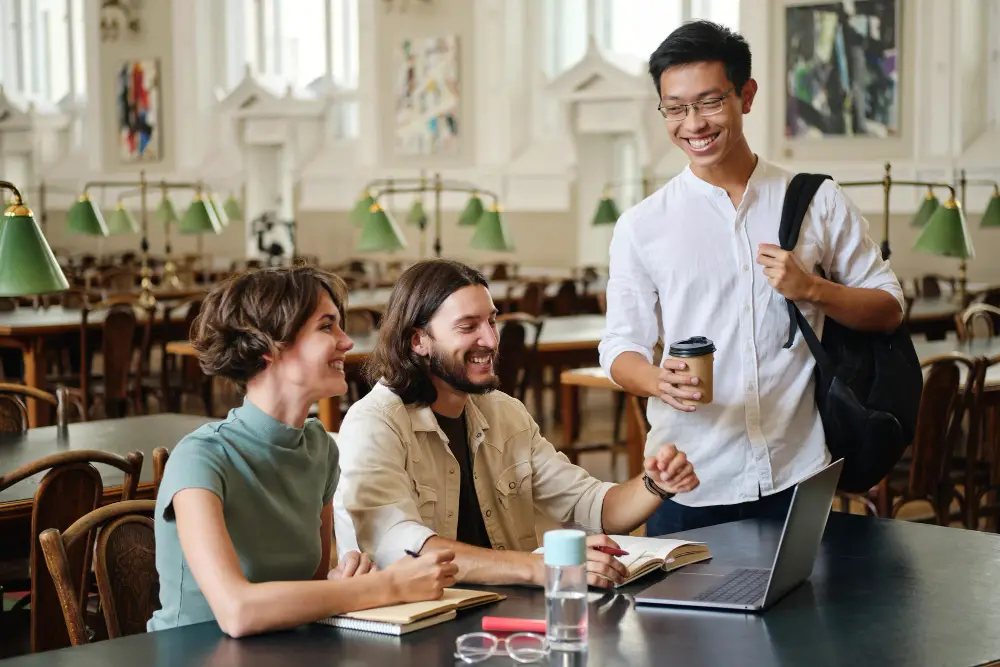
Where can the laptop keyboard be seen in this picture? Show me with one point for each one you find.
(744, 586)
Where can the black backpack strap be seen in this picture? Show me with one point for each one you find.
(798, 197)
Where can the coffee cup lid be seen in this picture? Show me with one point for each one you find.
(692, 347)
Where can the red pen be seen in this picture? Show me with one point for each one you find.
(611, 551)
(503, 624)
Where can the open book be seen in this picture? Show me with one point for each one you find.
(648, 554)
(399, 619)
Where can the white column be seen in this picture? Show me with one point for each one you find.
(263, 187)
(94, 108)
(595, 167)
(369, 139)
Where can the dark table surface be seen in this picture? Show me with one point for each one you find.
(882, 593)
(119, 436)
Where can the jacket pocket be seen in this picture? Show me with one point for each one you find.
(513, 488)
(427, 499)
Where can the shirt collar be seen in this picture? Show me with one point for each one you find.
(266, 427)
(422, 418)
(758, 174)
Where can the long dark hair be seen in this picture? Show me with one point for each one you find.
(414, 300)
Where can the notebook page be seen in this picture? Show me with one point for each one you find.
(641, 549)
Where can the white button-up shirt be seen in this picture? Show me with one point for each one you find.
(683, 263)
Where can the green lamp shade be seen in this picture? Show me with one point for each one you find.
(233, 208)
(945, 233)
(200, 218)
(472, 213)
(380, 233)
(166, 213)
(84, 217)
(607, 212)
(219, 209)
(122, 221)
(417, 215)
(491, 233)
(926, 210)
(362, 210)
(27, 265)
(991, 216)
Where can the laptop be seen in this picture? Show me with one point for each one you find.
(752, 588)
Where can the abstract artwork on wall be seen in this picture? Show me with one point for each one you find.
(842, 69)
(137, 98)
(427, 97)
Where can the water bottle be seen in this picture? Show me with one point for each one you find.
(566, 590)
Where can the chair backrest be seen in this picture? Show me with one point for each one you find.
(567, 299)
(944, 404)
(14, 413)
(358, 321)
(160, 456)
(516, 349)
(117, 347)
(533, 299)
(930, 286)
(70, 489)
(124, 567)
(500, 272)
(979, 320)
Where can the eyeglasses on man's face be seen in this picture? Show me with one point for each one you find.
(709, 107)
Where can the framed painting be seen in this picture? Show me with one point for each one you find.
(137, 102)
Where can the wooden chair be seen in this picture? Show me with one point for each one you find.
(71, 488)
(929, 286)
(517, 352)
(925, 474)
(567, 299)
(979, 320)
(160, 456)
(124, 567)
(14, 413)
(172, 383)
(118, 351)
(977, 469)
(532, 301)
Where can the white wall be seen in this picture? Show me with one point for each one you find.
(523, 133)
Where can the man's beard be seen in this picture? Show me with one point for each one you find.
(457, 375)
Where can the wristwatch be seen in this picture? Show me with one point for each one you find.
(654, 488)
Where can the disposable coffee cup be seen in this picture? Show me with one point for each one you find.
(698, 353)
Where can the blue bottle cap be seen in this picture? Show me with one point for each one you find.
(565, 547)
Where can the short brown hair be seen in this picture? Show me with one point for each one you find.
(414, 299)
(258, 312)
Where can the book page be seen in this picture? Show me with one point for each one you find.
(643, 549)
(409, 612)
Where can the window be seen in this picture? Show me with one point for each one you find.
(41, 49)
(636, 27)
(631, 27)
(300, 43)
(993, 71)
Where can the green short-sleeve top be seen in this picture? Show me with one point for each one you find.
(273, 481)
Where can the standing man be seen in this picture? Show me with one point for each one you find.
(699, 257)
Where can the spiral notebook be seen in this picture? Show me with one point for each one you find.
(399, 619)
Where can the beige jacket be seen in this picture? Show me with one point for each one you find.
(399, 481)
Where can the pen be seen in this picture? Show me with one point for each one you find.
(412, 553)
(611, 551)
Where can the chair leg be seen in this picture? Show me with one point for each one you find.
(620, 397)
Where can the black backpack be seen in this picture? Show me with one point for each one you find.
(868, 385)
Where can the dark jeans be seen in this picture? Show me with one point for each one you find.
(671, 517)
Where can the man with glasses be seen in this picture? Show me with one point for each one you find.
(699, 257)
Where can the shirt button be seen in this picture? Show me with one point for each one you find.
(451, 471)
(746, 267)
(512, 485)
(750, 386)
(746, 308)
(475, 475)
(479, 435)
(451, 514)
(489, 513)
(500, 547)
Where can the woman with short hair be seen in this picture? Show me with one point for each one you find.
(243, 518)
